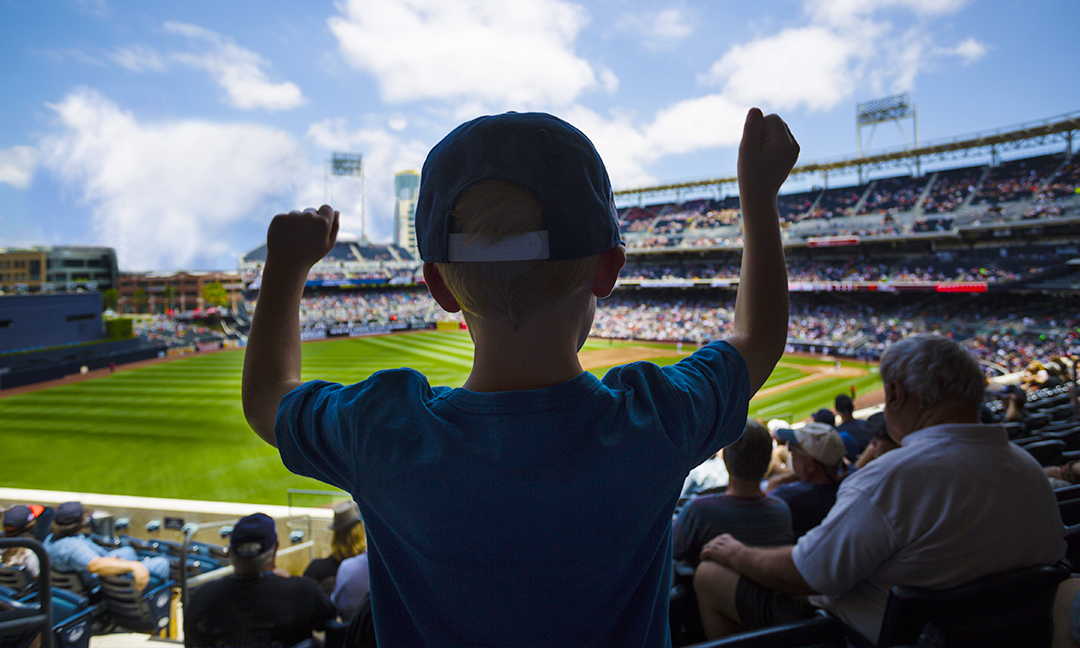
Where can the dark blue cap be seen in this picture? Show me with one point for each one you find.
(253, 535)
(537, 151)
(69, 513)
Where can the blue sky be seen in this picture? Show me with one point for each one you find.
(173, 131)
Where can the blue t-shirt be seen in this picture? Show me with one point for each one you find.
(538, 517)
(809, 503)
(758, 522)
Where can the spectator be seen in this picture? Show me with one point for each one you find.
(710, 475)
(907, 518)
(348, 540)
(742, 510)
(851, 426)
(70, 550)
(501, 512)
(19, 522)
(352, 585)
(880, 442)
(256, 605)
(817, 456)
(826, 417)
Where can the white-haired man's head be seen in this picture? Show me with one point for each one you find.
(936, 371)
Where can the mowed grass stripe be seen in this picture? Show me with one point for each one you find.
(176, 429)
(407, 347)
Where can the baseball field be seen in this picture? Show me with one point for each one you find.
(175, 428)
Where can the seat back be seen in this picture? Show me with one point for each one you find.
(21, 621)
(70, 581)
(17, 577)
(1047, 453)
(137, 611)
(1012, 608)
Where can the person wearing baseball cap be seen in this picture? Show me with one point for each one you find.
(19, 522)
(957, 501)
(855, 429)
(817, 456)
(257, 605)
(517, 227)
(71, 550)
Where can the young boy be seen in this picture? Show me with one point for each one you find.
(532, 506)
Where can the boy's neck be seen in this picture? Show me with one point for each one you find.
(539, 352)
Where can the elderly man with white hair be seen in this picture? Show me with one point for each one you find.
(955, 502)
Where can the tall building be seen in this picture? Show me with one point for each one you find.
(57, 268)
(406, 191)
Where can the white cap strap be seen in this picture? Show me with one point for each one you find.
(524, 247)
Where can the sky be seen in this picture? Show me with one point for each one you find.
(174, 131)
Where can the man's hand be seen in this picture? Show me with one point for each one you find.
(721, 549)
(141, 574)
(302, 238)
(767, 153)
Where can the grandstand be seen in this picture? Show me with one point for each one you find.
(983, 250)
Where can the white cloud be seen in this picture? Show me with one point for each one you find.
(777, 71)
(969, 51)
(709, 121)
(845, 12)
(508, 54)
(238, 71)
(17, 166)
(663, 29)
(138, 58)
(166, 195)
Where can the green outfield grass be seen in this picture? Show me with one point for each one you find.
(176, 429)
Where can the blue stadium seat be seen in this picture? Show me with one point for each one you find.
(147, 611)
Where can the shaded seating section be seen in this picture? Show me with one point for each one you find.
(18, 578)
(1016, 179)
(823, 631)
(893, 195)
(47, 615)
(1013, 608)
(951, 188)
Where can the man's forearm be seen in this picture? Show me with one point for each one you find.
(772, 567)
(272, 360)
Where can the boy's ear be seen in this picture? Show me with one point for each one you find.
(607, 271)
(438, 289)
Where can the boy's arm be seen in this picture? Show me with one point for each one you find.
(294, 242)
(766, 155)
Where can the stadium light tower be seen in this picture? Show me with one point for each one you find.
(348, 165)
(894, 108)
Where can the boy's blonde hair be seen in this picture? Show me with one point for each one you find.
(490, 211)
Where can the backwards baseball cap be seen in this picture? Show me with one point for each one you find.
(253, 535)
(69, 513)
(537, 151)
(18, 518)
(820, 441)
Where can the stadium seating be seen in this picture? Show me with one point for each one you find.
(1008, 609)
(822, 631)
(146, 611)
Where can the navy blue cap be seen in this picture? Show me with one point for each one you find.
(69, 513)
(253, 535)
(537, 151)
